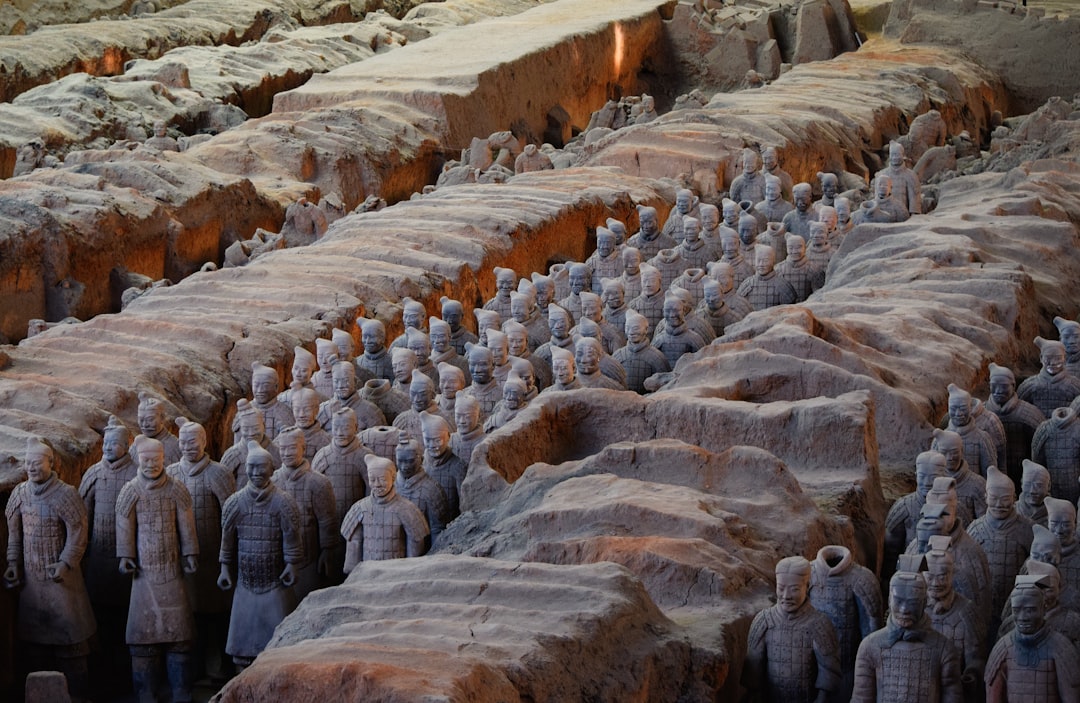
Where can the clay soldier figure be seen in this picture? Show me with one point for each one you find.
(413, 315)
(1053, 387)
(748, 230)
(151, 415)
(819, 253)
(47, 532)
(796, 269)
(579, 281)
(1032, 662)
(417, 342)
(305, 407)
(686, 205)
(588, 354)
(773, 206)
(869, 211)
(1069, 336)
(1061, 520)
(440, 462)
(524, 370)
(453, 313)
(693, 250)
(650, 303)
(403, 361)
(843, 216)
(421, 399)
(792, 650)
(750, 184)
(970, 486)
(342, 461)
(382, 441)
(209, 484)
(937, 517)
(1035, 487)
(979, 450)
(518, 345)
(303, 370)
(849, 595)
(525, 311)
(442, 352)
(252, 429)
(416, 486)
(1004, 536)
(344, 394)
(505, 282)
(1056, 446)
(649, 240)
(989, 423)
(798, 220)
(1019, 418)
(715, 310)
(693, 282)
(512, 402)
(605, 262)
(326, 355)
(500, 353)
(485, 389)
(592, 309)
(954, 616)
(485, 320)
(830, 187)
(314, 497)
(470, 430)
(382, 394)
(765, 288)
(670, 264)
(773, 235)
(732, 255)
(905, 184)
(907, 660)
(618, 228)
(828, 217)
(157, 544)
(451, 383)
(276, 415)
(724, 275)
(345, 344)
(544, 289)
(892, 208)
(677, 339)
(770, 166)
(631, 272)
(376, 359)
(564, 371)
(710, 228)
(608, 366)
(260, 536)
(1059, 618)
(383, 525)
(904, 513)
(559, 322)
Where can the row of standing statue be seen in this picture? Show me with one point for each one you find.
(984, 593)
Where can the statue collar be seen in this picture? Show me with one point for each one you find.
(894, 633)
(38, 489)
(196, 468)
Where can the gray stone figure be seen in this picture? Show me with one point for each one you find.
(904, 514)
(416, 486)
(989, 423)
(500, 353)
(513, 401)
(615, 303)
(954, 616)
(47, 531)
(524, 370)
(421, 399)
(750, 184)
(1069, 336)
(869, 211)
(532, 159)
(579, 281)
(844, 223)
(209, 484)
(650, 303)
(451, 383)
(1053, 387)
(970, 486)
(305, 406)
(979, 449)
(1035, 487)
(326, 355)
(525, 311)
(677, 338)
(544, 287)
(608, 366)
(1061, 521)
(693, 282)
(251, 429)
(710, 227)
(796, 268)
(770, 166)
(724, 275)
(1033, 662)
(606, 261)
(470, 431)
(798, 220)
(453, 314)
(564, 372)
(649, 240)
(505, 283)
(686, 204)
(792, 649)
(413, 316)
(402, 362)
(376, 359)
(418, 343)
(714, 308)
(905, 184)
(261, 543)
(1064, 620)
(773, 207)
(153, 425)
(1019, 418)
(748, 230)
(766, 288)
(828, 217)
(592, 309)
(907, 660)
(1004, 536)
(631, 272)
(381, 394)
(157, 544)
(849, 595)
(345, 394)
(485, 320)
(442, 352)
(588, 354)
(819, 253)
(693, 251)
(441, 463)
(382, 441)
(830, 188)
(618, 228)
(342, 461)
(345, 343)
(1056, 445)
(276, 414)
(891, 207)
(559, 323)
(303, 370)
(383, 525)
(314, 497)
(484, 388)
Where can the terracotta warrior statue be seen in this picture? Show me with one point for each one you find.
(1061, 521)
(1069, 336)
(442, 352)
(615, 303)
(559, 323)
(724, 274)
(342, 461)
(773, 206)
(326, 355)
(485, 320)
(276, 414)
(650, 303)
(261, 544)
(979, 450)
(525, 311)
(904, 514)
(770, 166)
(631, 272)
(830, 188)
(376, 359)
(47, 530)
(1056, 445)
(416, 486)
(157, 545)
(451, 383)
(954, 616)
(1053, 387)
(970, 486)
(792, 650)
(1034, 488)
(383, 525)
(588, 354)
(544, 287)
(579, 281)
(677, 338)
(1019, 418)
(484, 388)
(686, 204)
(905, 184)
(798, 220)
(249, 421)
(345, 394)
(421, 399)
(750, 184)
(303, 371)
(345, 344)
(564, 371)
(152, 424)
(419, 344)
(470, 430)
(714, 309)
(605, 262)
(592, 309)
(453, 314)
(440, 462)
(796, 268)
(500, 353)
(649, 240)
(526, 371)
(413, 316)
(765, 288)
(505, 283)
(513, 401)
